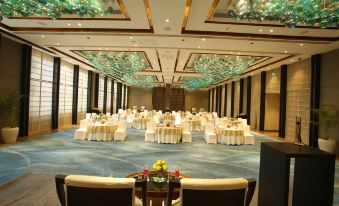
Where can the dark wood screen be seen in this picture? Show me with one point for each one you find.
(159, 98)
(178, 99)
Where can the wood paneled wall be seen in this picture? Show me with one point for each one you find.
(236, 98)
(255, 102)
(177, 99)
(298, 98)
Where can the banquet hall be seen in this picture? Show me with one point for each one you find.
(169, 102)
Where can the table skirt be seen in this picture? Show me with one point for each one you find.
(101, 132)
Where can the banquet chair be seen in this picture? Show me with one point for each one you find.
(210, 137)
(129, 120)
(88, 115)
(80, 134)
(177, 119)
(201, 192)
(142, 108)
(81, 190)
(194, 110)
(108, 114)
(121, 132)
(186, 134)
(203, 123)
(150, 133)
(201, 110)
(248, 137)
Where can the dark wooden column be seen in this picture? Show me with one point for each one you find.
(225, 101)
(209, 100)
(89, 91)
(75, 94)
(124, 97)
(119, 96)
(262, 101)
(96, 91)
(283, 98)
(248, 99)
(241, 98)
(220, 100)
(112, 96)
(24, 89)
(217, 100)
(315, 98)
(127, 93)
(213, 99)
(105, 95)
(232, 98)
(55, 92)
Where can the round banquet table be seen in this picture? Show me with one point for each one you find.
(140, 123)
(229, 136)
(157, 193)
(194, 125)
(169, 135)
(101, 132)
(168, 117)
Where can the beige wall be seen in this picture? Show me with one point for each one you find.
(10, 71)
(140, 97)
(272, 100)
(298, 98)
(196, 99)
(329, 85)
(229, 91)
(255, 102)
(236, 98)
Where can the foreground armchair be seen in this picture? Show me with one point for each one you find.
(81, 190)
(202, 192)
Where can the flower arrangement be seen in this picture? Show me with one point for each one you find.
(160, 166)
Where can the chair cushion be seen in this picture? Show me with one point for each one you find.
(99, 182)
(214, 184)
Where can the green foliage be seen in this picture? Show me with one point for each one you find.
(328, 118)
(10, 104)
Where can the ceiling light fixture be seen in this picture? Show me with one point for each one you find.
(203, 39)
(167, 20)
(322, 13)
(131, 37)
(199, 47)
(301, 44)
(260, 30)
(271, 30)
(285, 51)
(69, 24)
(58, 43)
(79, 24)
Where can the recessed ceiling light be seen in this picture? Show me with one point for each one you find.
(99, 48)
(79, 24)
(58, 43)
(199, 47)
(292, 60)
(135, 45)
(167, 20)
(131, 37)
(238, 52)
(285, 51)
(43, 36)
(301, 44)
(203, 39)
(69, 24)
(260, 30)
(271, 30)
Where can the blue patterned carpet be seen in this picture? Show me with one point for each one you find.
(58, 153)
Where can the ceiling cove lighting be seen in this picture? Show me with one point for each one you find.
(121, 65)
(218, 67)
(55, 9)
(140, 80)
(320, 13)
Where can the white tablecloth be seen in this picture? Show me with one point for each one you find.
(169, 135)
(194, 125)
(140, 123)
(230, 136)
(101, 132)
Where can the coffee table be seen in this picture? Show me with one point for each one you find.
(156, 192)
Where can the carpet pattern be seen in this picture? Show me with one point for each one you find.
(58, 153)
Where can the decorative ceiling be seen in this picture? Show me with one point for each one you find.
(169, 37)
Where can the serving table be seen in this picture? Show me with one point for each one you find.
(141, 122)
(168, 134)
(229, 136)
(157, 192)
(101, 132)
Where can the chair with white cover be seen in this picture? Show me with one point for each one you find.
(150, 133)
(94, 115)
(201, 192)
(248, 137)
(186, 134)
(120, 111)
(80, 134)
(129, 120)
(201, 110)
(203, 123)
(215, 115)
(194, 110)
(121, 132)
(177, 119)
(74, 190)
(142, 108)
(108, 114)
(210, 137)
(88, 115)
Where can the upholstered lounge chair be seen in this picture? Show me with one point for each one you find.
(80, 190)
(202, 192)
